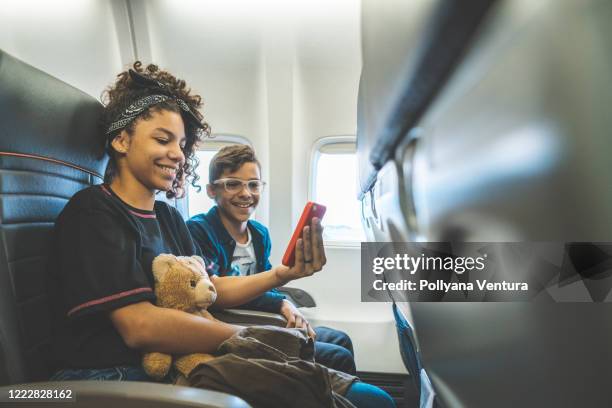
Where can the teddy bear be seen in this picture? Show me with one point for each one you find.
(181, 282)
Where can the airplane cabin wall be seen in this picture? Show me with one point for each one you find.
(220, 60)
(75, 41)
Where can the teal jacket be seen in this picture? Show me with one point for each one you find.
(218, 246)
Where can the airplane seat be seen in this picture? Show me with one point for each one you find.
(49, 150)
(408, 347)
(469, 132)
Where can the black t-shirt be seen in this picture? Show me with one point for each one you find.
(102, 260)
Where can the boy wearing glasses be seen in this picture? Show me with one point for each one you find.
(240, 246)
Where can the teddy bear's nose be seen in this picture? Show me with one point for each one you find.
(205, 293)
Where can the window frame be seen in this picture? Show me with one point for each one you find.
(315, 153)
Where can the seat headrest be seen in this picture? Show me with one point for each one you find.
(42, 116)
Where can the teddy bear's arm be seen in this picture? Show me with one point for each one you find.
(187, 363)
(157, 365)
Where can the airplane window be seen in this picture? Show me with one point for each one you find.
(335, 186)
(199, 202)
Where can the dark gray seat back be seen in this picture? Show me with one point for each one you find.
(50, 148)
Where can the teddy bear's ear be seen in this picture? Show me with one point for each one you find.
(161, 265)
(200, 260)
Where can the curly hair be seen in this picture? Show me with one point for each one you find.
(124, 92)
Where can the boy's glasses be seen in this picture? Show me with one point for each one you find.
(233, 185)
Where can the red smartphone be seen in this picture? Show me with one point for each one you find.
(311, 210)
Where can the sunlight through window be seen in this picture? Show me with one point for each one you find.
(336, 187)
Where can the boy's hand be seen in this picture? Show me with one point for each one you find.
(295, 318)
(309, 255)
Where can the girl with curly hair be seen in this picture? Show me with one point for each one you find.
(144, 94)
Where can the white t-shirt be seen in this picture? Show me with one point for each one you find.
(244, 257)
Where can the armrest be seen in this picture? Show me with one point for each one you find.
(299, 297)
(131, 394)
(250, 317)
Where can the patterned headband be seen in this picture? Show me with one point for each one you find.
(142, 104)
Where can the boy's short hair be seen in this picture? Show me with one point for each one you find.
(230, 158)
